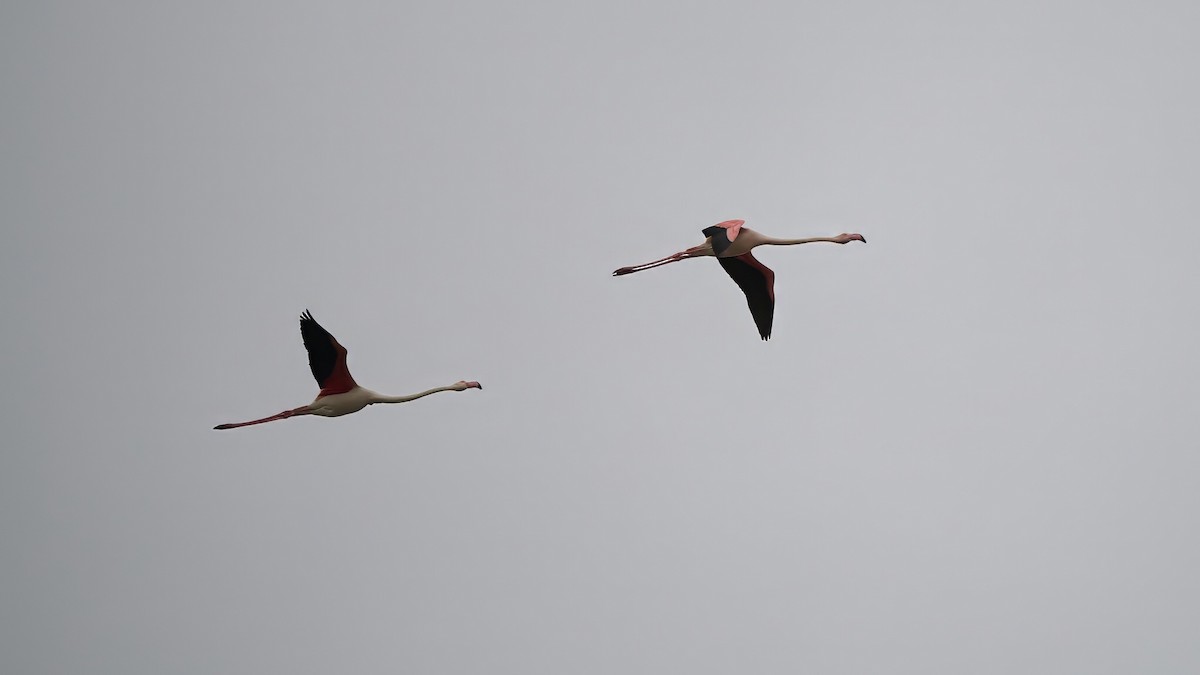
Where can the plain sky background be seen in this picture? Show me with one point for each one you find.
(970, 446)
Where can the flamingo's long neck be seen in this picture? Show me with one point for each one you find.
(792, 242)
(405, 399)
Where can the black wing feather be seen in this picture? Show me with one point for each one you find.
(322, 352)
(760, 295)
(719, 236)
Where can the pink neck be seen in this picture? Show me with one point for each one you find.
(792, 242)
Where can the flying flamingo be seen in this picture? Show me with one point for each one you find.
(340, 394)
(731, 243)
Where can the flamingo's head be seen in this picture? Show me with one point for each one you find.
(847, 238)
(463, 385)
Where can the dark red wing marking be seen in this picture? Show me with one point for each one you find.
(757, 281)
(723, 234)
(326, 357)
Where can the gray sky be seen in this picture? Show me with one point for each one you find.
(970, 446)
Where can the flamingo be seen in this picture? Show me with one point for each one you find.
(340, 394)
(731, 243)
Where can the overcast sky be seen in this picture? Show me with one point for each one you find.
(970, 447)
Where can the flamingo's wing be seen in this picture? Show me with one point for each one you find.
(757, 281)
(326, 357)
(723, 234)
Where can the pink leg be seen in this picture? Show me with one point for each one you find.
(675, 257)
(302, 410)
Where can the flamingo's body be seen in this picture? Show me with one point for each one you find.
(340, 394)
(731, 244)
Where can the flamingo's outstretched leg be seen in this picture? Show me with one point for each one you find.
(693, 252)
(302, 410)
